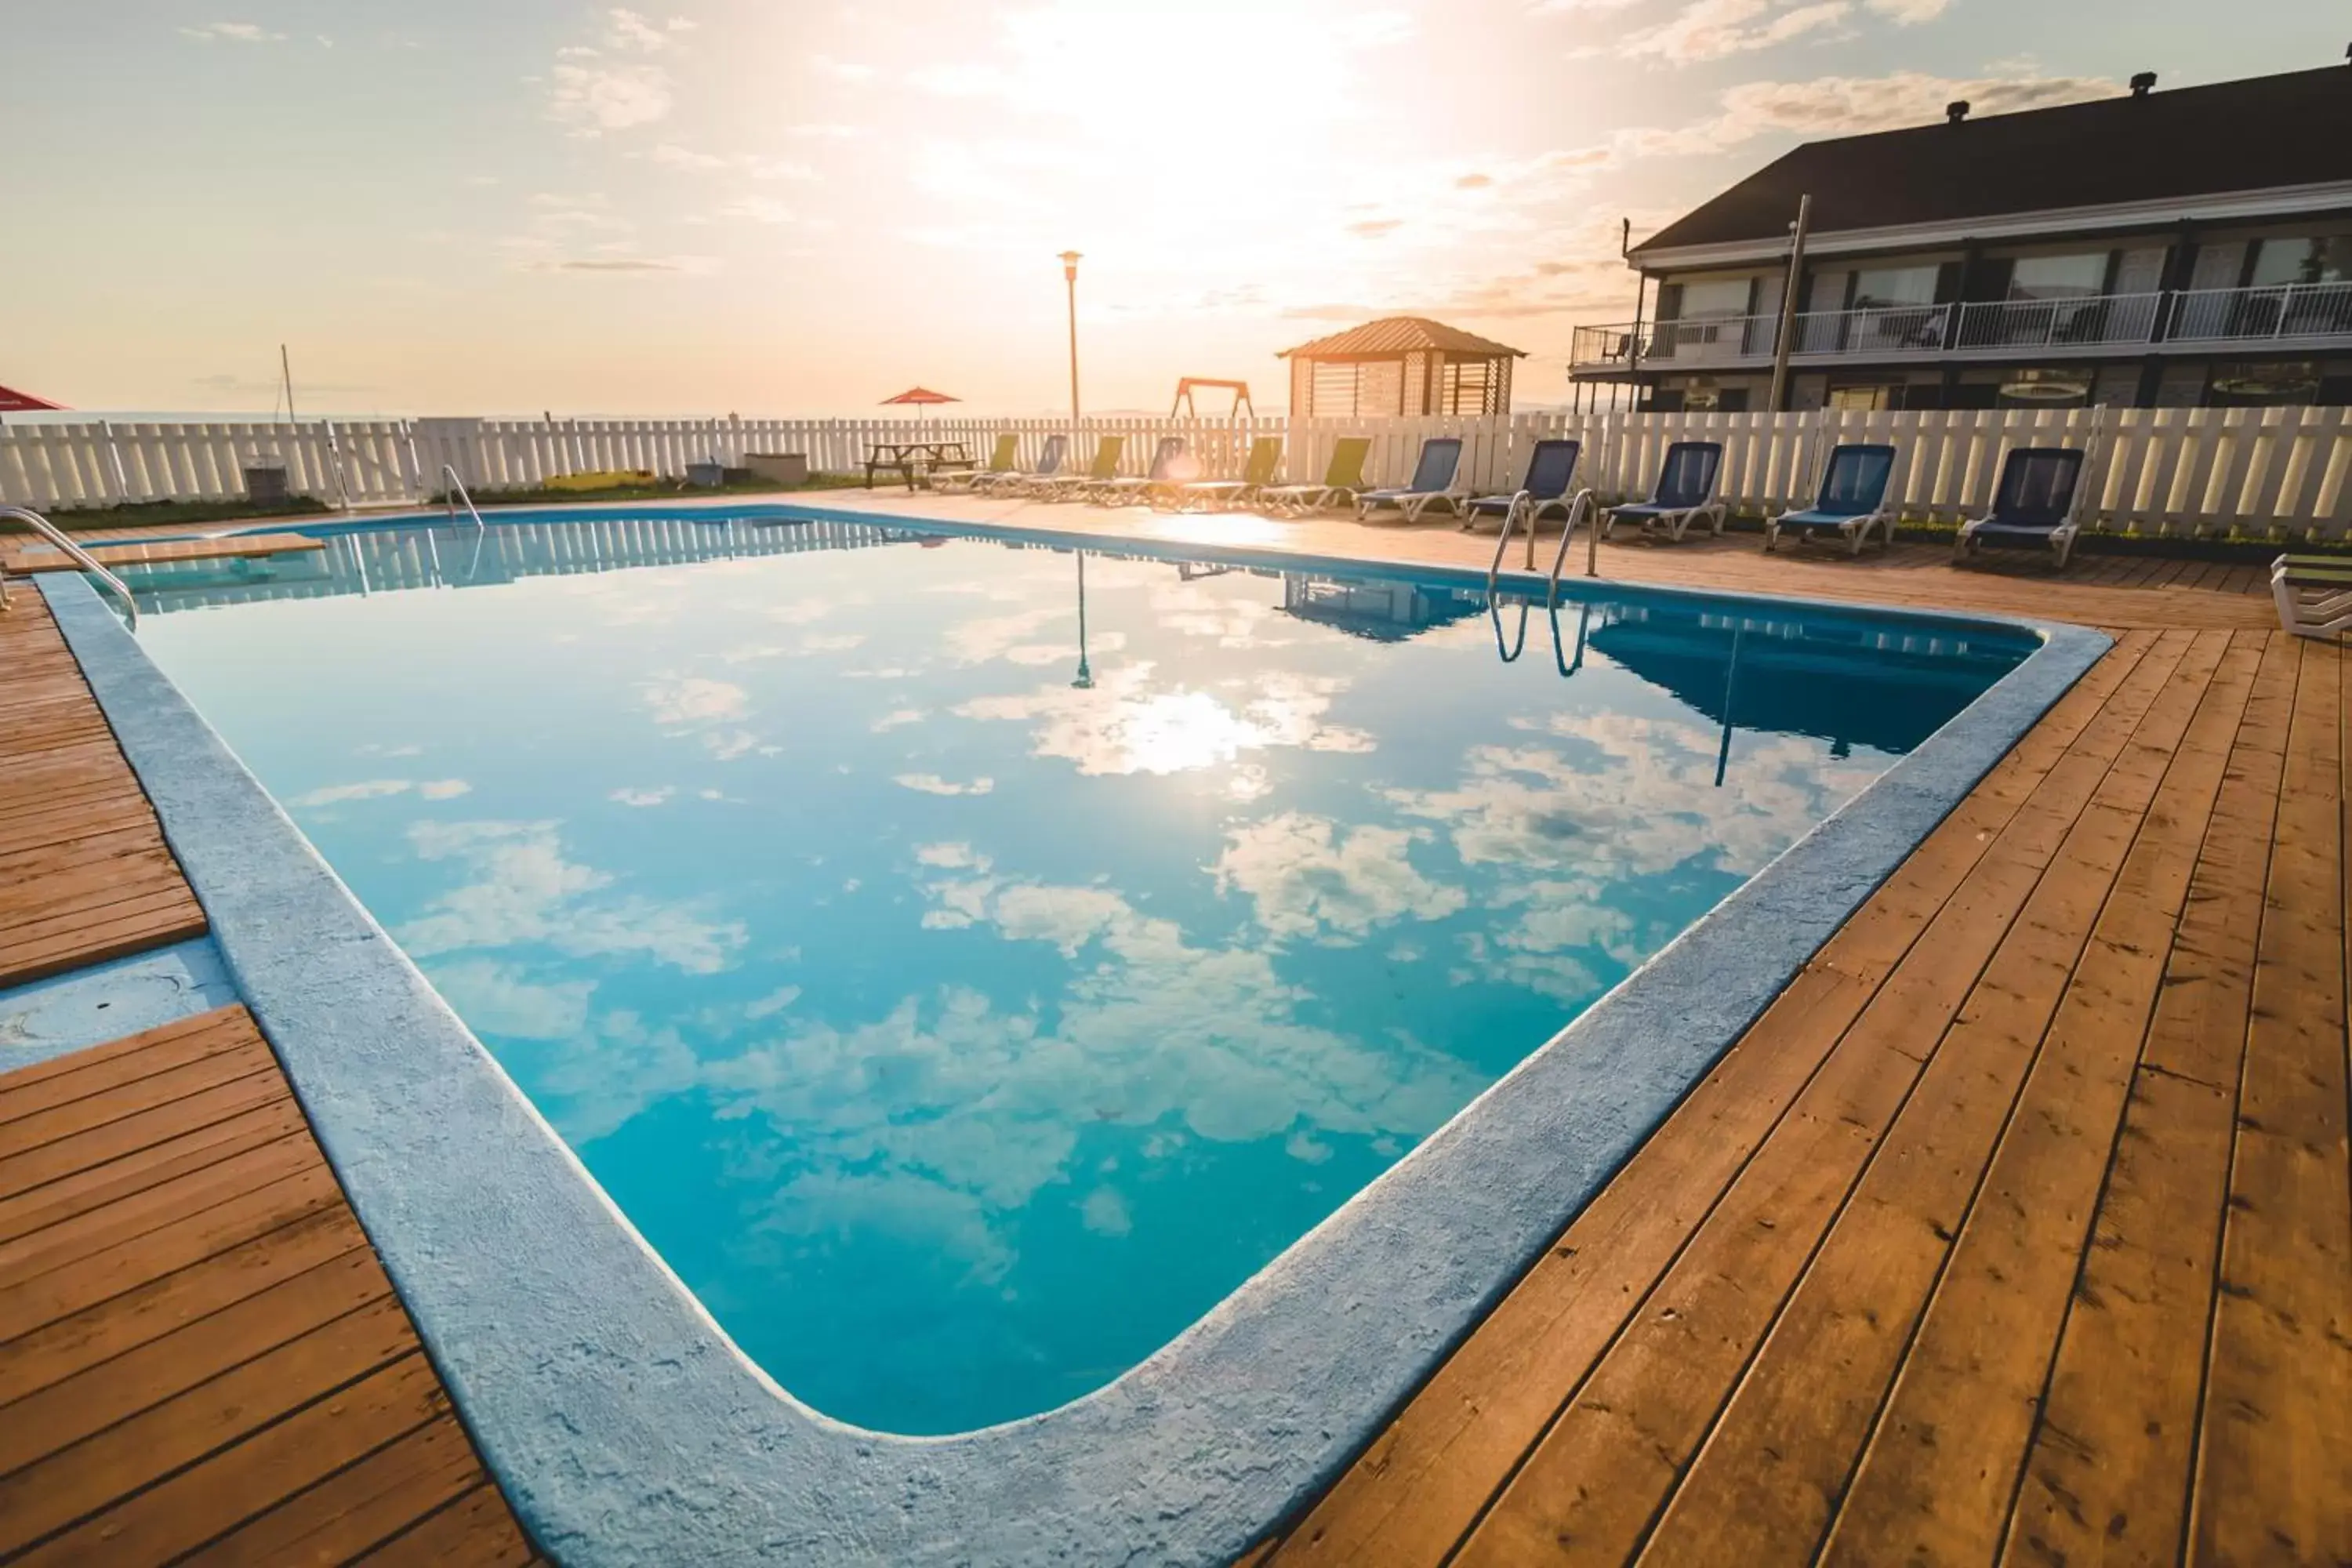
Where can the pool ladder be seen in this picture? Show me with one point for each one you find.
(81, 557)
(456, 492)
(1584, 504)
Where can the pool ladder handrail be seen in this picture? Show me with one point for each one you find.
(1584, 504)
(81, 557)
(456, 492)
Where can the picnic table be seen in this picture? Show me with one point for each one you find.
(914, 461)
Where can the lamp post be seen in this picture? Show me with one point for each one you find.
(1070, 277)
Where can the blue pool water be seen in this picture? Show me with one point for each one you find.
(966, 963)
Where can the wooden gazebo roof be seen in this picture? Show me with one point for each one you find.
(1394, 335)
(1401, 365)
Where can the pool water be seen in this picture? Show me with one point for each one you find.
(965, 963)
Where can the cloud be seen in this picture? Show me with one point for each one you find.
(1710, 29)
(694, 699)
(379, 789)
(756, 209)
(623, 264)
(1308, 879)
(496, 999)
(523, 892)
(593, 99)
(1852, 105)
(591, 94)
(644, 796)
(1125, 726)
(234, 33)
(750, 166)
(931, 784)
(335, 795)
(842, 70)
(1908, 13)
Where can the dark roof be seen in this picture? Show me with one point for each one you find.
(1396, 335)
(2263, 132)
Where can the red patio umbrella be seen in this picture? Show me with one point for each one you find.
(922, 397)
(15, 402)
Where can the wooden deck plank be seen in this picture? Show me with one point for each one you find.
(2108, 1469)
(193, 1505)
(44, 1086)
(85, 874)
(475, 1532)
(1777, 1458)
(361, 1506)
(61, 1200)
(198, 1349)
(37, 557)
(1618, 1450)
(113, 1390)
(2038, 1095)
(89, 1475)
(2274, 1477)
(1425, 1480)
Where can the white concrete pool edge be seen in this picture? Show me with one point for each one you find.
(626, 1428)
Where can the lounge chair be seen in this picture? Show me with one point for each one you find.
(1164, 459)
(1005, 460)
(1550, 469)
(1069, 486)
(2313, 593)
(1685, 492)
(2034, 508)
(1434, 477)
(1853, 500)
(1015, 481)
(1263, 462)
(1343, 476)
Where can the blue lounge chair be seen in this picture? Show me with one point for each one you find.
(1161, 474)
(1049, 463)
(1853, 500)
(2033, 509)
(1433, 481)
(1550, 469)
(1685, 492)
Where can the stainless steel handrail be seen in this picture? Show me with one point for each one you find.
(457, 489)
(81, 557)
(1582, 505)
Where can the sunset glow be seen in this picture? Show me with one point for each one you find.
(715, 205)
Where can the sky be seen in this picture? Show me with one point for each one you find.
(693, 207)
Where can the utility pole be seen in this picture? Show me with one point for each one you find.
(286, 369)
(1788, 303)
(1070, 276)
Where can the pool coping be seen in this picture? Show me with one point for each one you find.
(625, 1427)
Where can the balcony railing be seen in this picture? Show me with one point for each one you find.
(2239, 315)
(2201, 316)
(2060, 323)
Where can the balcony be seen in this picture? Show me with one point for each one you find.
(2294, 316)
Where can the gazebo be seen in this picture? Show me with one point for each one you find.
(1400, 365)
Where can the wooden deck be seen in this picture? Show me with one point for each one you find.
(2018, 1228)
(37, 556)
(199, 1353)
(84, 872)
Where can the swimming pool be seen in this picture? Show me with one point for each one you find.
(966, 964)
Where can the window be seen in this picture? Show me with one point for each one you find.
(2321, 259)
(2058, 276)
(2257, 385)
(1876, 287)
(1717, 297)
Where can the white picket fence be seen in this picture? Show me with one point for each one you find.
(2186, 472)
